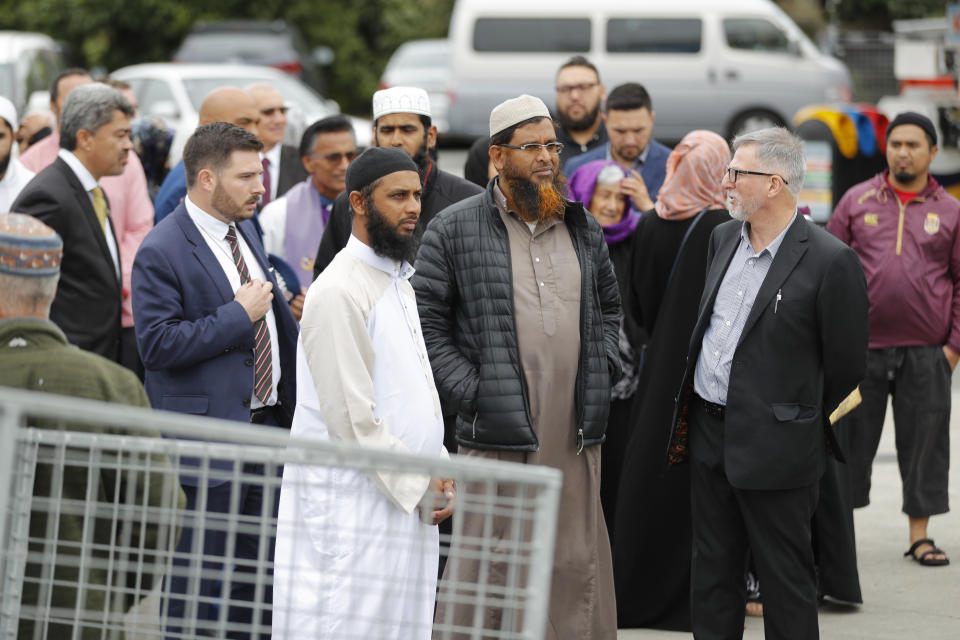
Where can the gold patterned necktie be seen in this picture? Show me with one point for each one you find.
(100, 206)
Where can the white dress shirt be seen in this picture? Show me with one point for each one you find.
(214, 232)
(88, 182)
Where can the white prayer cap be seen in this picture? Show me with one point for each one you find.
(516, 110)
(9, 113)
(401, 100)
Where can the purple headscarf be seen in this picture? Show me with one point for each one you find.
(582, 184)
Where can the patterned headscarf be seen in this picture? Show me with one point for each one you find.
(694, 171)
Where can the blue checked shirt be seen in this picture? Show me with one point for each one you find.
(730, 310)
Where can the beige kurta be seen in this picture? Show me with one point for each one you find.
(546, 291)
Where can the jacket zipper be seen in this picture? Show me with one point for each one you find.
(900, 226)
(578, 395)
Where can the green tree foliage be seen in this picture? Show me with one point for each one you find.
(879, 14)
(116, 33)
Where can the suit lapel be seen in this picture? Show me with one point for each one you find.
(788, 255)
(90, 216)
(203, 254)
(721, 262)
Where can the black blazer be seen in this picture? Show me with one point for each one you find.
(87, 304)
(291, 169)
(796, 360)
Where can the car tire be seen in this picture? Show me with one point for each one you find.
(752, 120)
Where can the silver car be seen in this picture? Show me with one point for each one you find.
(174, 92)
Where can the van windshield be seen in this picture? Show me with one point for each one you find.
(754, 34)
(532, 35)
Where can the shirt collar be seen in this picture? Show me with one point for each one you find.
(87, 181)
(641, 159)
(205, 221)
(273, 155)
(356, 248)
(774, 245)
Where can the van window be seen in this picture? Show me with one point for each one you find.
(755, 34)
(653, 35)
(532, 35)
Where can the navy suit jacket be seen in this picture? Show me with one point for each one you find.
(195, 341)
(653, 171)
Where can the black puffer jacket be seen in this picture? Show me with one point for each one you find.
(464, 286)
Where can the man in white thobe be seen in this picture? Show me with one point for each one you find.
(357, 551)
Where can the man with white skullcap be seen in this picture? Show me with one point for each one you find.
(13, 175)
(401, 119)
(521, 317)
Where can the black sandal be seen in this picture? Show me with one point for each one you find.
(924, 558)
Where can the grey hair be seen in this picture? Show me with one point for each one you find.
(89, 107)
(778, 151)
(23, 295)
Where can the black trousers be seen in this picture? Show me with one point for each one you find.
(775, 525)
(918, 379)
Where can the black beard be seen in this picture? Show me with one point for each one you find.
(386, 240)
(422, 159)
(581, 124)
(4, 165)
(904, 178)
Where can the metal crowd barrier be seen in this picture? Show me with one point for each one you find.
(91, 512)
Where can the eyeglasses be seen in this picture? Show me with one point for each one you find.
(337, 158)
(570, 88)
(273, 110)
(733, 173)
(553, 148)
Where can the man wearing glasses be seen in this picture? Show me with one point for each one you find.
(282, 168)
(293, 224)
(521, 313)
(579, 94)
(401, 119)
(780, 340)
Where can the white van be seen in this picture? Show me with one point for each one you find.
(724, 66)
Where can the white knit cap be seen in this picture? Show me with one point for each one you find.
(401, 100)
(506, 114)
(9, 113)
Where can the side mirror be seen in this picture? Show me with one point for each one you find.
(164, 109)
(794, 49)
(322, 55)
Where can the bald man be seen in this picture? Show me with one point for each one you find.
(282, 167)
(225, 104)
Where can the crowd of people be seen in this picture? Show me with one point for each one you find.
(663, 325)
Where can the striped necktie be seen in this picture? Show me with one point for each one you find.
(262, 351)
(100, 206)
(267, 180)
